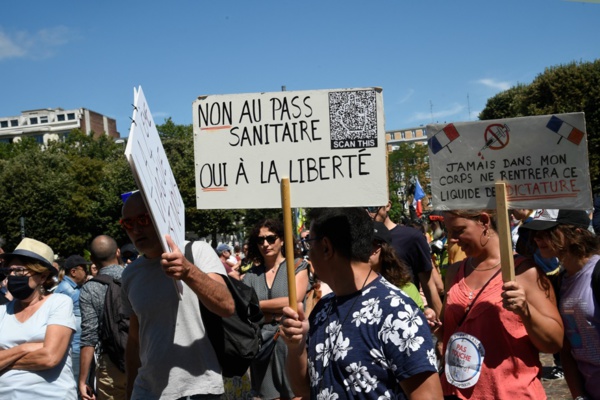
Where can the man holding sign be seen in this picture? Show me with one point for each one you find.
(366, 339)
(168, 355)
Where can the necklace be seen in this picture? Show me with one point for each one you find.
(481, 269)
(333, 342)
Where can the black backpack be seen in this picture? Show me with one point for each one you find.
(114, 326)
(236, 339)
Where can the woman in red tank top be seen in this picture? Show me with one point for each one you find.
(493, 331)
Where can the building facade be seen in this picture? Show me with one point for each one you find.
(55, 124)
(409, 135)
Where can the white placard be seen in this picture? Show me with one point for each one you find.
(153, 174)
(542, 159)
(329, 143)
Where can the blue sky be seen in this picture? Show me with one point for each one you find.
(435, 60)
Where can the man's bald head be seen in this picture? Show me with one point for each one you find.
(104, 251)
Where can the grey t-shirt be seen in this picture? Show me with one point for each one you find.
(177, 359)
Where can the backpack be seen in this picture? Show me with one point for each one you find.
(114, 326)
(236, 339)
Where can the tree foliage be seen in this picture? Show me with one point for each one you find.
(410, 160)
(573, 87)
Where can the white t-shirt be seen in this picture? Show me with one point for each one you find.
(53, 383)
(177, 359)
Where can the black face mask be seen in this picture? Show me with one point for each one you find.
(18, 286)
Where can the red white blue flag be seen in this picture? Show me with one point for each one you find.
(565, 130)
(443, 138)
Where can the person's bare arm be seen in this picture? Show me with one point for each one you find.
(85, 363)
(132, 353)
(9, 356)
(537, 308)
(572, 375)
(294, 329)
(56, 344)
(427, 280)
(210, 288)
(423, 386)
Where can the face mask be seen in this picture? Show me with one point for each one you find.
(18, 286)
(547, 264)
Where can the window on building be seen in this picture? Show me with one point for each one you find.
(403, 135)
(3, 124)
(33, 120)
(71, 116)
(39, 139)
(14, 122)
(5, 140)
(60, 117)
(44, 119)
(414, 133)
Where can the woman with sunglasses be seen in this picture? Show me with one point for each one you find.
(492, 330)
(565, 234)
(269, 280)
(36, 328)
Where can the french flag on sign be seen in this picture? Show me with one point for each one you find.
(565, 130)
(443, 138)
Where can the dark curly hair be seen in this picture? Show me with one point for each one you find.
(393, 269)
(274, 226)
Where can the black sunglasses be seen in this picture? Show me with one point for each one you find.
(306, 242)
(270, 239)
(372, 210)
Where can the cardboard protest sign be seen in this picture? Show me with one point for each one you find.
(329, 143)
(153, 174)
(543, 161)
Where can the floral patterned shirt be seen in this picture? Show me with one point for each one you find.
(362, 345)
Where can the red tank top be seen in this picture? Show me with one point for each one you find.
(511, 366)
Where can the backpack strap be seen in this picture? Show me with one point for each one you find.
(188, 252)
(104, 279)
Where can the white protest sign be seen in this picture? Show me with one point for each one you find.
(329, 143)
(542, 159)
(153, 174)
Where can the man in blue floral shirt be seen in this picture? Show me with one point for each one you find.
(367, 339)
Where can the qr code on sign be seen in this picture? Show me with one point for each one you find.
(353, 119)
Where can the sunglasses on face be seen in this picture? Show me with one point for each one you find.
(18, 271)
(270, 239)
(141, 220)
(372, 210)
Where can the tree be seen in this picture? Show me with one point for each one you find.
(573, 87)
(410, 160)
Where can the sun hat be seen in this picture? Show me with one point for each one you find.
(549, 218)
(34, 249)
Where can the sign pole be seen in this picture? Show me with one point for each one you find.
(506, 253)
(288, 239)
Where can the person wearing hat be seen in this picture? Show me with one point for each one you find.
(35, 328)
(224, 252)
(76, 273)
(565, 234)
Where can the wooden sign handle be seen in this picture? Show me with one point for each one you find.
(288, 238)
(506, 252)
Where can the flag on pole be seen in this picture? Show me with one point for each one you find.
(419, 194)
(300, 220)
(443, 138)
(565, 130)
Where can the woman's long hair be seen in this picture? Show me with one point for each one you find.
(274, 226)
(392, 268)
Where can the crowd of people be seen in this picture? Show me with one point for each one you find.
(384, 310)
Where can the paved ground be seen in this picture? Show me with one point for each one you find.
(555, 389)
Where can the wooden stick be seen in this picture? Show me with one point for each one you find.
(288, 239)
(506, 252)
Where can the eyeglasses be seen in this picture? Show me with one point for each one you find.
(306, 242)
(372, 210)
(19, 271)
(270, 239)
(141, 220)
